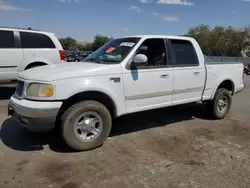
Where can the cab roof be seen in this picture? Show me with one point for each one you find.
(160, 36)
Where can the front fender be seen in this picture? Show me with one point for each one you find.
(70, 87)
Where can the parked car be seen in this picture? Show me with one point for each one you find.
(22, 49)
(71, 58)
(74, 56)
(126, 75)
(247, 69)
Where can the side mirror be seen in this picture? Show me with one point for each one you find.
(140, 59)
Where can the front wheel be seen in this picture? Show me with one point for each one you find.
(219, 107)
(86, 125)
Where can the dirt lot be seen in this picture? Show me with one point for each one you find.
(174, 147)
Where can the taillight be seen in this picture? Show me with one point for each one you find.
(243, 74)
(62, 55)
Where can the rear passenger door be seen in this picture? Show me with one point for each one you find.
(189, 74)
(38, 47)
(11, 54)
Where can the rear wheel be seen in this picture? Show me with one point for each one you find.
(86, 125)
(220, 106)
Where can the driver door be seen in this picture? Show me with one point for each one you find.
(149, 86)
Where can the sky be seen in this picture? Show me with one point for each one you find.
(83, 19)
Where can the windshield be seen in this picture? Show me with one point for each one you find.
(115, 51)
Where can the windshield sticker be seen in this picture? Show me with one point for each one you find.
(128, 44)
(110, 50)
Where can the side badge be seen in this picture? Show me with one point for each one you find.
(115, 79)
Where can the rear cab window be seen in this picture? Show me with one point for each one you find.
(36, 40)
(6, 39)
(184, 53)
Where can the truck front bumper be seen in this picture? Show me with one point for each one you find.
(33, 115)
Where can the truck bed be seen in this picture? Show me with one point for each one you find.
(216, 71)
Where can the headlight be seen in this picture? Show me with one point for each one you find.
(40, 90)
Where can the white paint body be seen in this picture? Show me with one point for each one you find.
(15, 60)
(134, 91)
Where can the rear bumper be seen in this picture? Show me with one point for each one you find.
(33, 115)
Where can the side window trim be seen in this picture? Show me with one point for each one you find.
(149, 67)
(173, 55)
(17, 40)
(169, 56)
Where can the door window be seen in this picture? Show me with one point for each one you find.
(155, 51)
(184, 53)
(7, 39)
(35, 40)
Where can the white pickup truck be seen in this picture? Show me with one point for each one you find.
(126, 75)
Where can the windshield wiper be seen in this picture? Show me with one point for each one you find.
(99, 61)
(94, 60)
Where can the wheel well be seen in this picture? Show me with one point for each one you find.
(34, 64)
(90, 95)
(227, 84)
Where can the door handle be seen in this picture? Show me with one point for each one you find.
(164, 76)
(196, 73)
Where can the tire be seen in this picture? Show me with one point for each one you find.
(72, 135)
(215, 107)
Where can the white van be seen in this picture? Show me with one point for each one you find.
(22, 49)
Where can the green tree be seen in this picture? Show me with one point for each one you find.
(68, 43)
(87, 47)
(80, 47)
(202, 34)
(246, 49)
(221, 41)
(99, 40)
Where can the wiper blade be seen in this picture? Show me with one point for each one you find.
(94, 60)
(99, 61)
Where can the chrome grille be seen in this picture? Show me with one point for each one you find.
(19, 88)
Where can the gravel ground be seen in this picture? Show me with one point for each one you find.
(173, 147)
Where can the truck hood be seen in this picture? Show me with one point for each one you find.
(69, 70)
